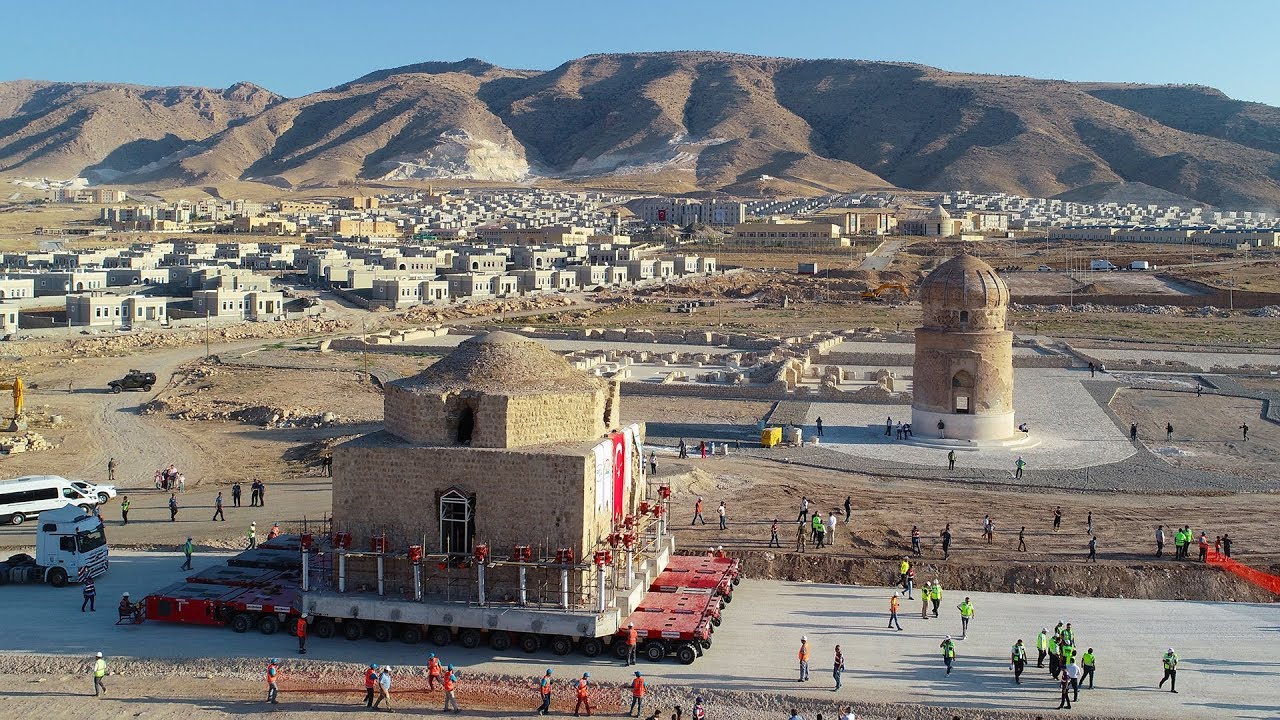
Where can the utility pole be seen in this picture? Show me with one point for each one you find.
(206, 331)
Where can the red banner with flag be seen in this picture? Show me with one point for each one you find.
(619, 473)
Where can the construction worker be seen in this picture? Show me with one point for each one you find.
(800, 536)
(633, 638)
(99, 672)
(370, 682)
(544, 689)
(699, 712)
(803, 655)
(273, 677)
(433, 671)
(1170, 671)
(449, 681)
(637, 695)
(935, 596)
(187, 549)
(384, 688)
(584, 694)
(301, 631)
(1204, 547)
(893, 611)
(903, 568)
(966, 614)
(274, 532)
(1042, 645)
(697, 513)
(1018, 660)
(1054, 655)
(124, 509)
(1088, 662)
(948, 652)
(1068, 636)
(915, 541)
(252, 535)
(925, 593)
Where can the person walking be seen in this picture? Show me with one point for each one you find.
(683, 449)
(1203, 542)
(217, 508)
(935, 596)
(801, 534)
(449, 681)
(819, 530)
(1072, 673)
(1088, 662)
(1133, 432)
(1159, 540)
(702, 448)
(173, 507)
(583, 691)
(951, 460)
(925, 594)
(1057, 519)
(124, 510)
(946, 542)
(1022, 539)
(1093, 550)
(948, 652)
(915, 541)
(1042, 646)
(773, 535)
(653, 463)
(830, 533)
(893, 611)
(1018, 661)
(252, 535)
(384, 688)
(187, 549)
(837, 668)
(1168, 431)
(254, 493)
(804, 510)
(1226, 544)
(1064, 686)
(99, 674)
(903, 568)
(235, 494)
(848, 507)
(1170, 670)
(1088, 524)
(637, 695)
(1244, 430)
(911, 581)
(819, 424)
(724, 516)
(301, 631)
(544, 692)
(803, 655)
(633, 638)
(370, 683)
(433, 671)
(1019, 465)
(966, 614)
(111, 470)
(88, 591)
(697, 512)
(273, 679)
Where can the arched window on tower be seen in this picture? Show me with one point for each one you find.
(466, 425)
(457, 522)
(961, 392)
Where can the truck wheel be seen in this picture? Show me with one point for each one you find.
(411, 635)
(686, 654)
(500, 640)
(352, 630)
(592, 647)
(324, 628)
(381, 632)
(242, 622)
(530, 642)
(655, 650)
(440, 635)
(146, 388)
(561, 645)
(470, 638)
(116, 389)
(57, 577)
(268, 625)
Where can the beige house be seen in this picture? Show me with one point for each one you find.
(788, 234)
(116, 311)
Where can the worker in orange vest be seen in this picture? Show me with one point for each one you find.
(544, 687)
(632, 638)
(274, 532)
(370, 682)
(583, 696)
(1204, 547)
(301, 632)
(637, 695)
(433, 671)
(273, 678)
(697, 513)
(448, 680)
(893, 611)
(804, 658)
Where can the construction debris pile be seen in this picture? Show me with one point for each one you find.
(773, 286)
(25, 442)
(430, 314)
(124, 344)
(1167, 310)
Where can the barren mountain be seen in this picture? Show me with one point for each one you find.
(688, 121)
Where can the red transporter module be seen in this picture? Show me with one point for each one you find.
(266, 608)
(701, 572)
(670, 623)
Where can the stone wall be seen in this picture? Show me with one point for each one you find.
(986, 356)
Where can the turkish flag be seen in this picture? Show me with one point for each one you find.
(620, 465)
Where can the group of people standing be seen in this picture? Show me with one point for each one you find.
(377, 684)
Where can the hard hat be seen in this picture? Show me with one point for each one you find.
(99, 654)
(373, 665)
(387, 668)
(449, 668)
(275, 660)
(948, 637)
(126, 594)
(1170, 650)
(637, 673)
(431, 656)
(1044, 629)
(804, 638)
(304, 615)
(631, 624)
(699, 699)
(188, 538)
(254, 524)
(548, 671)
(586, 675)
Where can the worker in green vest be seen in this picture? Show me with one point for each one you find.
(1068, 635)
(1068, 654)
(1018, 660)
(948, 652)
(1088, 661)
(966, 614)
(1054, 657)
(1042, 645)
(99, 673)
(935, 596)
(1170, 670)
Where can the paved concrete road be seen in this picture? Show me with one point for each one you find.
(1228, 670)
(883, 256)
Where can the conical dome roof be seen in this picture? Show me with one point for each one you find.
(501, 363)
(939, 213)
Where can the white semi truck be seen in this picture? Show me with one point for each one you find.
(68, 540)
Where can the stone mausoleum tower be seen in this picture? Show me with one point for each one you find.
(964, 356)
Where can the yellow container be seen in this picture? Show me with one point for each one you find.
(770, 436)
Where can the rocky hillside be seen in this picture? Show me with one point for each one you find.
(674, 121)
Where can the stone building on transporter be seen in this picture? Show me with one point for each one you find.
(963, 377)
(501, 442)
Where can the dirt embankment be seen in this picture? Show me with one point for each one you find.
(1182, 581)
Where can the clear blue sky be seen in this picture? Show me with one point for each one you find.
(298, 46)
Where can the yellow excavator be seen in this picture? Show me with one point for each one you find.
(875, 294)
(17, 387)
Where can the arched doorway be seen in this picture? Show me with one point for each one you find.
(961, 392)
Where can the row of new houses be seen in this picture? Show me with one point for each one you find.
(1237, 239)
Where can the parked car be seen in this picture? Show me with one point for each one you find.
(135, 380)
(102, 492)
(1044, 268)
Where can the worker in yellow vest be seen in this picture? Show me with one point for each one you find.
(1042, 645)
(99, 672)
(935, 596)
(1170, 671)
(948, 652)
(1088, 661)
(966, 614)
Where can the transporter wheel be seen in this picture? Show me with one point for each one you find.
(470, 638)
(352, 630)
(619, 647)
(706, 644)
(381, 632)
(561, 645)
(655, 650)
(440, 635)
(57, 577)
(716, 621)
(411, 635)
(530, 643)
(268, 625)
(500, 640)
(737, 580)
(323, 628)
(592, 647)
(728, 599)
(686, 654)
(242, 622)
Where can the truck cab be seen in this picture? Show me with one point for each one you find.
(68, 540)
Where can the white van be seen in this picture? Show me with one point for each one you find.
(28, 496)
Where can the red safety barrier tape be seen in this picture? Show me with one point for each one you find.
(1266, 581)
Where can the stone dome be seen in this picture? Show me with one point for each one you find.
(964, 293)
(502, 363)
